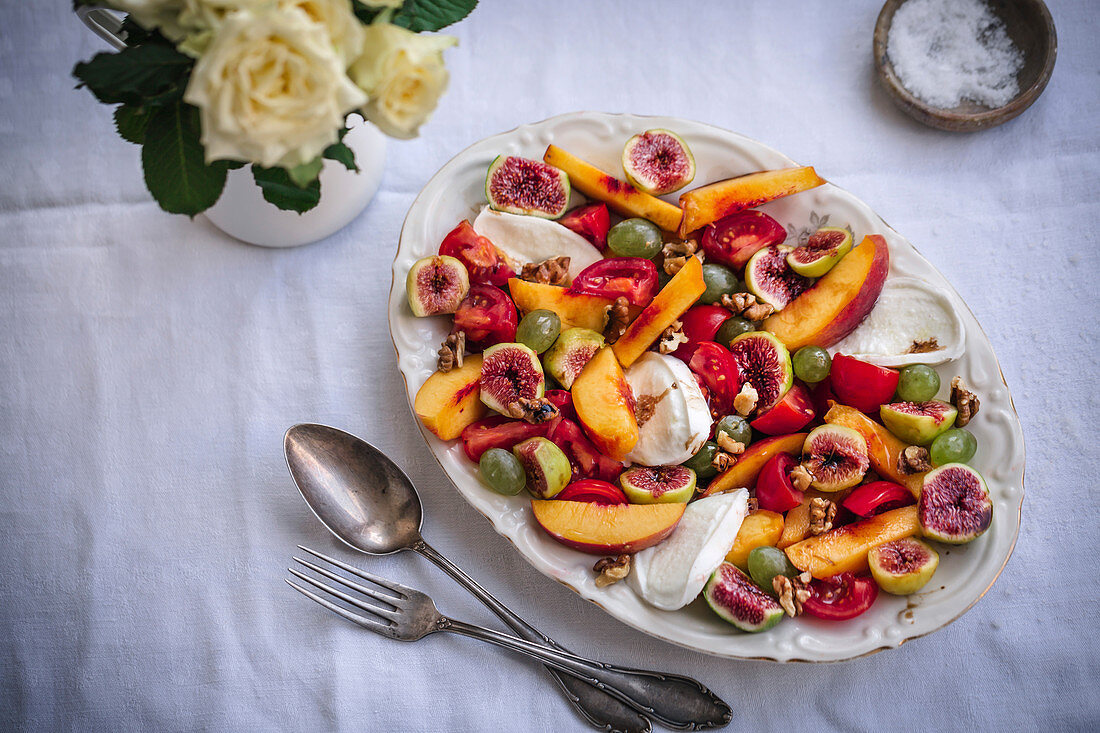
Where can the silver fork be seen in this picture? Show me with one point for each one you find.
(409, 615)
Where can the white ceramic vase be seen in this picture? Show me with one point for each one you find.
(242, 212)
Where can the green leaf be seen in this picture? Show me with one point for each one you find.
(432, 15)
(306, 173)
(131, 122)
(136, 74)
(176, 172)
(279, 190)
(341, 153)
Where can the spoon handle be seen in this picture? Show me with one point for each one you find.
(670, 700)
(676, 701)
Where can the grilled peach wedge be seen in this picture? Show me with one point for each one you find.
(707, 204)
(618, 195)
(601, 529)
(838, 302)
(743, 473)
(844, 549)
(675, 298)
(604, 403)
(448, 402)
(574, 309)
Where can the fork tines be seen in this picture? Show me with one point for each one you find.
(395, 602)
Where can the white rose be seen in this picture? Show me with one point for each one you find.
(271, 89)
(154, 14)
(202, 18)
(403, 75)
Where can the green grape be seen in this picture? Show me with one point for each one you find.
(719, 281)
(811, 364)
(635, 238)
(701, 461)
(662, 278)
(502, 471)
(956, 445)
(736, 427)
(732, 328)
(918, 383)
(767, 562)
(539, 330)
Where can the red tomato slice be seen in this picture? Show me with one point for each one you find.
(487, 315)
(591, 222)
(733, 240)
(483, 261)
(583, 455)
(861, 385)
(701, 322)
(633, 278)
(498, 432)
(594, 491)
(719, 372)
(840, 597)
(877, 497)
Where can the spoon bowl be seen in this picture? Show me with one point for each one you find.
(354, 489)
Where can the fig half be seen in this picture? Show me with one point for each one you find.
(436, 285)
(836, 456)
(510, 373)
(567, 357)
(658, 484)
(771, 279)
(520, 186)
(822, 250)
(954, 506)
(764, 362)
(903, 566)
(918, 422)
(738, 600)
(658, 162)
(547, 469)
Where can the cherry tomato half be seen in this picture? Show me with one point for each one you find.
(594, 491)
(733, 240)
(591, 222)
(840, 597)
(877, 497)
(487, 315)
(715, 365)
(483, 261)
(633, 278)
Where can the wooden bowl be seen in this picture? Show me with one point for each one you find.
(1030, 27)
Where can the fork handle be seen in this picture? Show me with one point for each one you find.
(597, 707)
(674, 700)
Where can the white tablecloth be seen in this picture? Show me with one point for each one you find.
(149, 366)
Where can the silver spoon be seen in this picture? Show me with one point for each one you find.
(369, 503)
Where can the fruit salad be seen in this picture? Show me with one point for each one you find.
(715, 403)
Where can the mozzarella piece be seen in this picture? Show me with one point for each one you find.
(907, 310)
(525, 239)
(681, 419)
(670, 575)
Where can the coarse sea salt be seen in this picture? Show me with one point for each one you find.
(945, 51)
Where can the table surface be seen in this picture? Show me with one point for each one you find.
(149, 366)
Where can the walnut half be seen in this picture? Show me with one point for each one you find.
(914, 459)
(745, 401)
(801, 477)
(534, 411)
(554, 271)
(618, 318)
(747, 306)
(822, 514)
(671, 338)
(452, 351)
(792, 592)
(965, 401)
(611, 570)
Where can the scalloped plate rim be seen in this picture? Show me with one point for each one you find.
(546, 568)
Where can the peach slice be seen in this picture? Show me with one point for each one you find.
(760, 529)
(743, 473)
(574, 309)
(714, 201)
(675, 298)
(606, 529)
(838, 302)
(618, 195)
(448, 402)
(844, 549)
(605, 405)
(883, 448)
